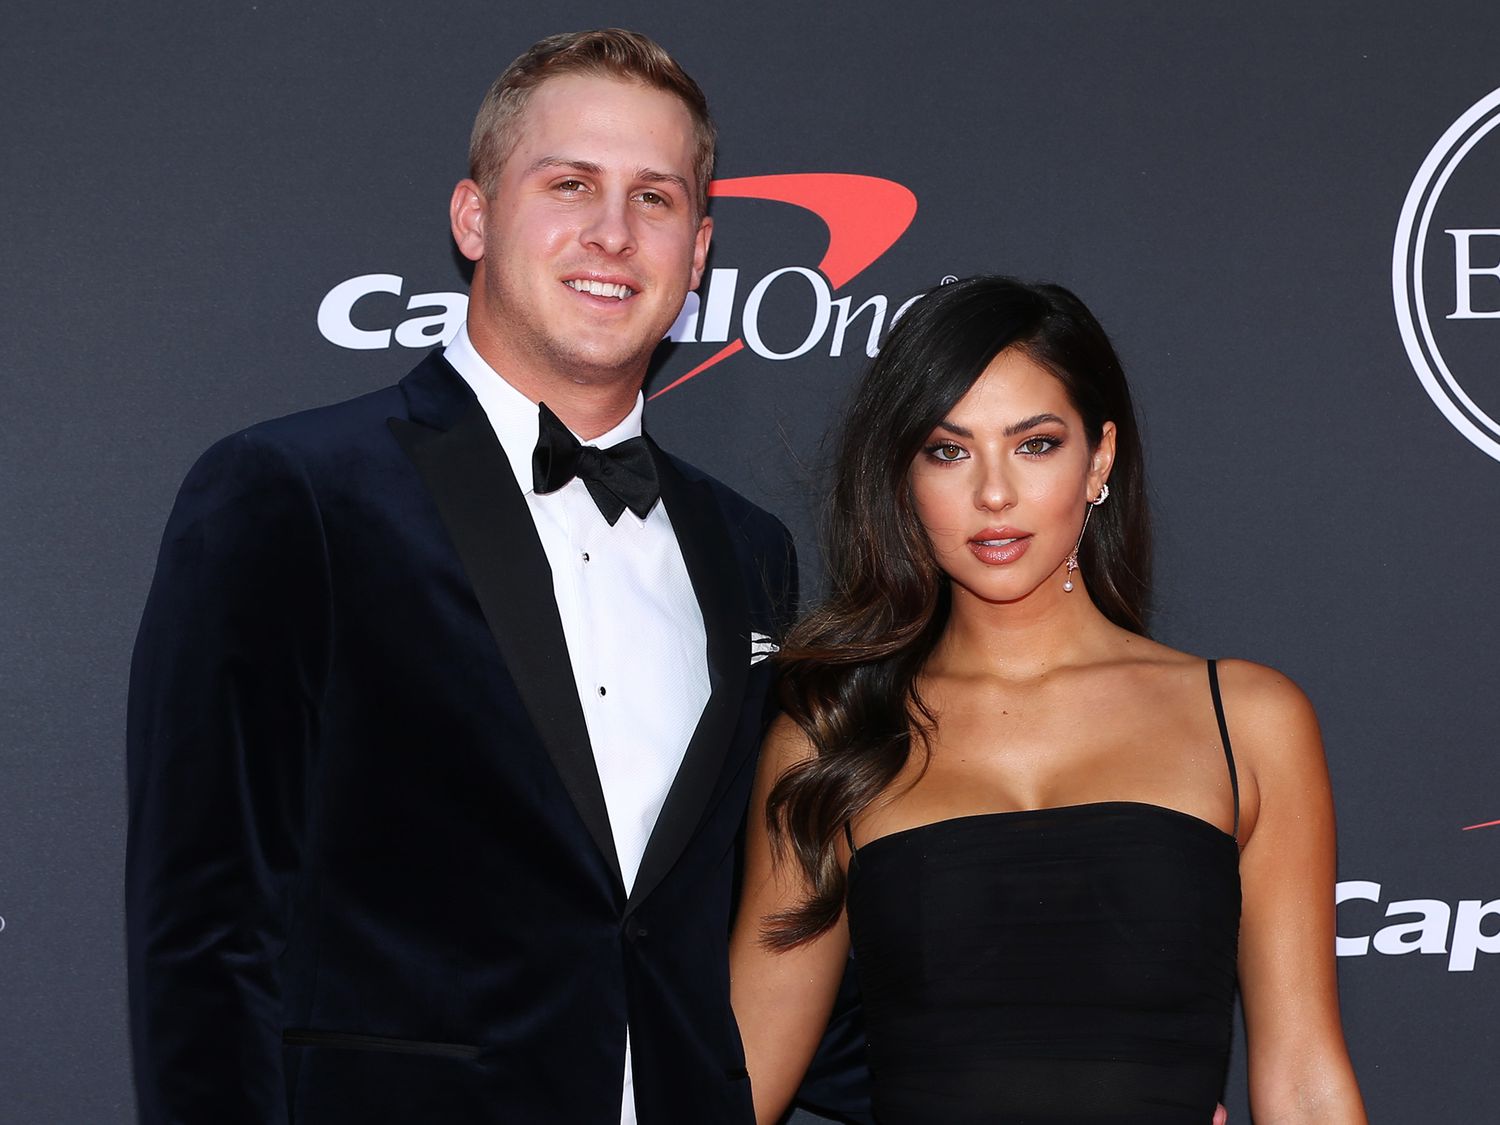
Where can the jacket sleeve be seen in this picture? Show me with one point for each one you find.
(225, 687)
(786, 592)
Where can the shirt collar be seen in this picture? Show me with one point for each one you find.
(514, 416)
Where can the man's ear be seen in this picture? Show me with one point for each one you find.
(700, 249)
(467, 211)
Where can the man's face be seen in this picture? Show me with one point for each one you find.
(590, 243)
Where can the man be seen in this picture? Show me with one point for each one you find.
(441, 727)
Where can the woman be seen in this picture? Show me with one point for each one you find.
(1036, 825)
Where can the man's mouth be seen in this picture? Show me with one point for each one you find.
(613, 289)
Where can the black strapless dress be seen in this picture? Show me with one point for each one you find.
(1064, 965)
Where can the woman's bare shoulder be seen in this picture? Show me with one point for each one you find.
(1272, 694)
(1260, 702)
(1270, 718)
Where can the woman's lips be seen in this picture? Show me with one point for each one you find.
(997, 548)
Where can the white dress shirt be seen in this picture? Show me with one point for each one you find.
(632, 623)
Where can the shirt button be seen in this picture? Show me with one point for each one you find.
(585, 556)
(601, 689)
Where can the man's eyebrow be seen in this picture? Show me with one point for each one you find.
(651, 176)
(565, 162)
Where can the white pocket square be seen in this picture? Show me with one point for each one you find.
(761, 646)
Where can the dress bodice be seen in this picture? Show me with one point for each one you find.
(1061, 965)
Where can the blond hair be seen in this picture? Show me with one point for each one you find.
(610, 52)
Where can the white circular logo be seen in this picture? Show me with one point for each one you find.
(1464, 330)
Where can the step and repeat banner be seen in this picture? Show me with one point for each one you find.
(1286, 214)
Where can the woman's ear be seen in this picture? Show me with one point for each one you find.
(1102, 460)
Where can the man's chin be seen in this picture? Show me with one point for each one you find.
(604, 363)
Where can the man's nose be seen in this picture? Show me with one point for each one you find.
(608, 227)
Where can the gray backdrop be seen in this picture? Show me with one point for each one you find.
(186, 183)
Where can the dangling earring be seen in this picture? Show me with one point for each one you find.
(1072, 559)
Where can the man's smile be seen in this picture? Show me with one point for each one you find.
(616, 289)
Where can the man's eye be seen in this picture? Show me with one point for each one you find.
(654, 198)
(570, 185)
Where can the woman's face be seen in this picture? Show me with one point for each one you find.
(1002, 483)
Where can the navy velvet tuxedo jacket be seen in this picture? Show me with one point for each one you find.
(370, 876)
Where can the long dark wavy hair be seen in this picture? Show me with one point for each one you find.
(849, 669)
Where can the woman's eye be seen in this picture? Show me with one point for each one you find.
(1035, 447)
(946, 451)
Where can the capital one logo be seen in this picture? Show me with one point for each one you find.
(864, 217)
(1445, 274)
(1460, 931)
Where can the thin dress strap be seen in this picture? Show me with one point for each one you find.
(849, 836)
(1234, 777)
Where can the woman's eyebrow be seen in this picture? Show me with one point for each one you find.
(954, 428)
(1043, 419)
(1035, 420)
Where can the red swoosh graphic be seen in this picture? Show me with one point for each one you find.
(1486, 824)
(864, 216)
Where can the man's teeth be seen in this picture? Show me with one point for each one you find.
(601, 288)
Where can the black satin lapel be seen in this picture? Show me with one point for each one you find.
(715, 572)
(486, 515)
(436, 395)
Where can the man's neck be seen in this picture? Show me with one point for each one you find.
(588, 407)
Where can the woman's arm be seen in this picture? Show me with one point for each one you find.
(1299, 1066)
(781, 999)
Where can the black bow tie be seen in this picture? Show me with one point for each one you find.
(622, 476)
